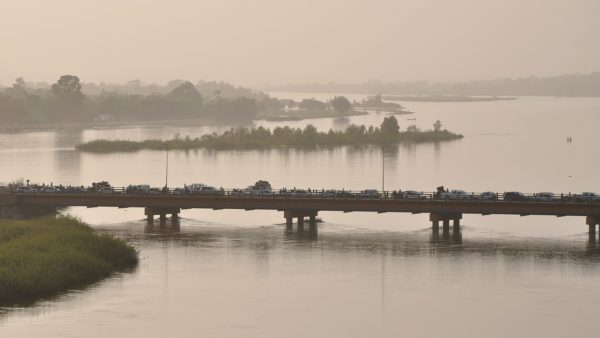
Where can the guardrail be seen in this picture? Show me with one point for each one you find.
(310, 193)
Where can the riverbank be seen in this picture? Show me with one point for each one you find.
(447, 98)
(46, 256)
(259, 138)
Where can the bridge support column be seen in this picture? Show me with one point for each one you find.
(435, 230)
(150, 212)
(446, 229)
(313, 223)
(592, 221)
(300, 215)
(435, 219)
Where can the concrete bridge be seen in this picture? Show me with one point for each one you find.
(442, 212)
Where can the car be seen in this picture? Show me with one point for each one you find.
(587, 197)
(298, 193)
(411, 195)
(369, 193)
(75, 190)
(49, 190)
(455, 195)
(107, 191)
(209, 191)
(544, 197)
(514, 196)
(154, 191)
(260, 188)
(488, 196)
(137, 189)
(329, 193)
(179, 191)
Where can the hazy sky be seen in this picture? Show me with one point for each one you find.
(257, 42)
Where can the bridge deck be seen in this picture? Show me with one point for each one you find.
(310, 203)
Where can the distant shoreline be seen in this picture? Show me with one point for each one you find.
(306, 115)
(447, 98)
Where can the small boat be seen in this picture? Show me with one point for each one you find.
(411, 119)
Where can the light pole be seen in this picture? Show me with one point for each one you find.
(382, 168)
(167, 169)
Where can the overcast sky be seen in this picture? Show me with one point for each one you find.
(256, 42)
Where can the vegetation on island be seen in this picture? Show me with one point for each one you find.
(311, 108)
(244, 138)
(46, 256)
(376, 103)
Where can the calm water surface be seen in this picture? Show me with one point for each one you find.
(237, 274)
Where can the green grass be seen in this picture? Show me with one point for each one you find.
(46, 256)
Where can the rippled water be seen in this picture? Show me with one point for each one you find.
(237, 273)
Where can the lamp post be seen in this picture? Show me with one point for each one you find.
(167, 169)
(383, 168)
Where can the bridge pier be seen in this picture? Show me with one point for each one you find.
(162, 212)
(300, 215)
(445, 218)
(592, 221)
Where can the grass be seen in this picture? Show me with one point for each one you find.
(45, 256)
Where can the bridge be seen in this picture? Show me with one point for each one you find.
(308, 205)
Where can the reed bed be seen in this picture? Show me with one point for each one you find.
(45, 256)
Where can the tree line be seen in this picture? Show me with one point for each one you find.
(66, 101)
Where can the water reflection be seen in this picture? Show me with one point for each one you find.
(424, 242)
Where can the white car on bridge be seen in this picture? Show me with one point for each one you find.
(455, 195)
(587, 197)
(544, 197)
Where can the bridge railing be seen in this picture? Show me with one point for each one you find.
(312, 193)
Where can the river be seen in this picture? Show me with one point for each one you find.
(237, 274)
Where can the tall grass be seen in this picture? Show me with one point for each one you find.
(45, 256)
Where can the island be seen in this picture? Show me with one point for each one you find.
(258, 138)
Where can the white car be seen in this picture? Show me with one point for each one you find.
(544, 197)
(488, 196)
(588, 197)
(411, 195)
(455, 195)
(369, 193)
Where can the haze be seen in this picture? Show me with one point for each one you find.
(277, 42)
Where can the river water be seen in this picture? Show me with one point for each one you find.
(237, 274)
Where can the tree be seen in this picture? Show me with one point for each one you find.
(341, 104)
(437, 126)
(390, 130)
(186, 92)
(69, 99)
(18, 89)
(312, 104)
